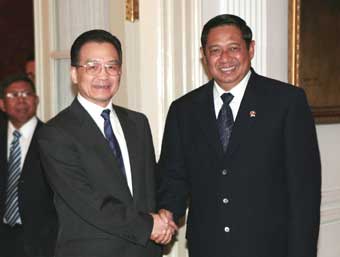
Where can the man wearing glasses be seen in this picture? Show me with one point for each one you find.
(99, 159)
(28, 221)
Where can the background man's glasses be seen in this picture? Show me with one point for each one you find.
(16, 95)
(94, 68)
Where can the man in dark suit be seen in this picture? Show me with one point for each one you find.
(99, 159)
(2, 117)
(28, 221)
(243, 147)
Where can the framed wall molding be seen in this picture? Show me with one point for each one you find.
(314, 61)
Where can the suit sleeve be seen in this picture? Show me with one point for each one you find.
(303, 178)
(61, 159)
(150, 167)
(173, 190)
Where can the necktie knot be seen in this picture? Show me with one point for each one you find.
(106, 114)
(227, 98)
(16, 134)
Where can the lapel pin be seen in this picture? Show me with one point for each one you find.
(252, 114)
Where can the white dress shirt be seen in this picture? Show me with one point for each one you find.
(95, 112)
(26, 131)
(237, 91)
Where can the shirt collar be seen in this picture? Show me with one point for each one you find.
(92, 108)
(26, 130)
(237, 91)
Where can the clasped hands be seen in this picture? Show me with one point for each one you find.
(163, 227)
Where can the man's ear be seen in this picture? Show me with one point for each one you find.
(74, 75)
(204, 58)
(37, 100)
(252, 49)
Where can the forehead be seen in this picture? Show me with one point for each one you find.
(19, 86)
(225, 33)
(95, 50)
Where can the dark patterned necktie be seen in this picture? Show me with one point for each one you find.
(12, 204)
(225, 120)
(111, 138)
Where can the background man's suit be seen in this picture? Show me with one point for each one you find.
(95, 206)
(249, 201)
(35, 200)
(2, 118)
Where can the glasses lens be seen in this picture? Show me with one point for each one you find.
(15, 95)
(112, 69)
(93, 68)
(27, 94)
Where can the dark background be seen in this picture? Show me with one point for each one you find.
(16, 35)
(319, 64)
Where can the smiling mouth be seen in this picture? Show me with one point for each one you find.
(228, 69)
(102, 86)
(22, 110)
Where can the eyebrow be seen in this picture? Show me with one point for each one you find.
(20, 91)
(114, 61)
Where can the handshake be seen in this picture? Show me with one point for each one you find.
(163, 227)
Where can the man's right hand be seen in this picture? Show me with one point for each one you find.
(163, 227)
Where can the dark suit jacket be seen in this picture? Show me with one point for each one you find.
(261, 198)
(36, 207)
(2, 118)
(98, 216)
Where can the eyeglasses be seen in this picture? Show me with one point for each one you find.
(94, 68)
(16, 95)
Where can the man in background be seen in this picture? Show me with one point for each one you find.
(28, 222)
(30, 67)
(2, 118)
(243, 147)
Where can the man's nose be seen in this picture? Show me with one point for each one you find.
(225, 54)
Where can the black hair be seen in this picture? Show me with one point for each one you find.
(30, 57)
(226, 19)
(6, 82)
(96, 35)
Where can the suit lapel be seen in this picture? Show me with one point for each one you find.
(3, 146)
(92, 137)
(243, 124)
(28, 168)
(205, 114)
(132, 142)
(244, 121)
(3, 165)
(31, 150)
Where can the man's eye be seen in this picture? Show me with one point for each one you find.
(110, 66)
(113, 67)
(234, 49)
(92, 66)
(215, 51)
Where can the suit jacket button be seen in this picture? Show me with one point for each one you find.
(226, 229)
(224, 172)
(225, 200)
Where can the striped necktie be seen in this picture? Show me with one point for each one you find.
(12, 205)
